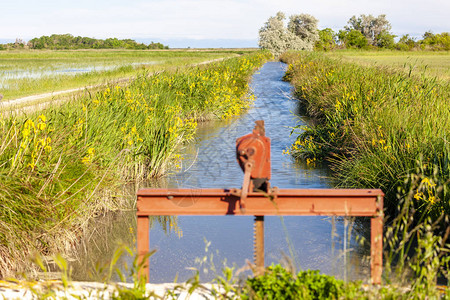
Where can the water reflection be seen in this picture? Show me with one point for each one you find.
(64, 70)
(7, 77)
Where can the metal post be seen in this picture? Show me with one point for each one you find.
(259, 244)
(376, 241)
(143, 246)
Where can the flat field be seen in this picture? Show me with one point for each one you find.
(429, 63)
(24, 73)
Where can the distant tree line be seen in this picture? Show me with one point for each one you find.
(363, 32)
(69, 42)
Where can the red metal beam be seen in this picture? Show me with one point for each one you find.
(340, 202)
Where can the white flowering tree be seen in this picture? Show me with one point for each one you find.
(304, 26)
(300, 34)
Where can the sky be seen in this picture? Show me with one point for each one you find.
(204, 23)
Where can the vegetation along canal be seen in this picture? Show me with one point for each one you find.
(308, 242)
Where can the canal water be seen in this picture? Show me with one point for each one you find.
(305, 242)
(206, 243)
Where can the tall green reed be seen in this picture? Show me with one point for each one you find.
(374, 125)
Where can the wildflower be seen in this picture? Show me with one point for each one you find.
(41, 126)
(25, 133)
(418, 195)
(432, 199)
(428, 182)
(338, 106)
(310, 161)
(89, 156)
(27, 128)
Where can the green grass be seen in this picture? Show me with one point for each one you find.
(110, 64)
(380, 128)
(428, 63)
(61, 165)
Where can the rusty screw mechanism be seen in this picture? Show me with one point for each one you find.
(253, 156)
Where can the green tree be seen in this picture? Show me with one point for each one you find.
(327, 40)
(435, 41)
(67, 41)
(353, 39)
(385, 40)
(405, 43)
(443, 41)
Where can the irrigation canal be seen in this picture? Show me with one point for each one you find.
(309, 242)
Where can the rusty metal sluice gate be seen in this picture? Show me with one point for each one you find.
(257, 198)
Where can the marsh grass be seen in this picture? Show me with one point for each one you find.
(376, 126)
(60, 166)
(387, 129)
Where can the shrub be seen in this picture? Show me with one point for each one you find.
(278, 283)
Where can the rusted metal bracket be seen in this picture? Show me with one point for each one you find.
(246, 185)
(258, 199)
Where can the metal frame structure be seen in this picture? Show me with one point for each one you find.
(280, 202)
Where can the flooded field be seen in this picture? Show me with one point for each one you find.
(24, 73)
